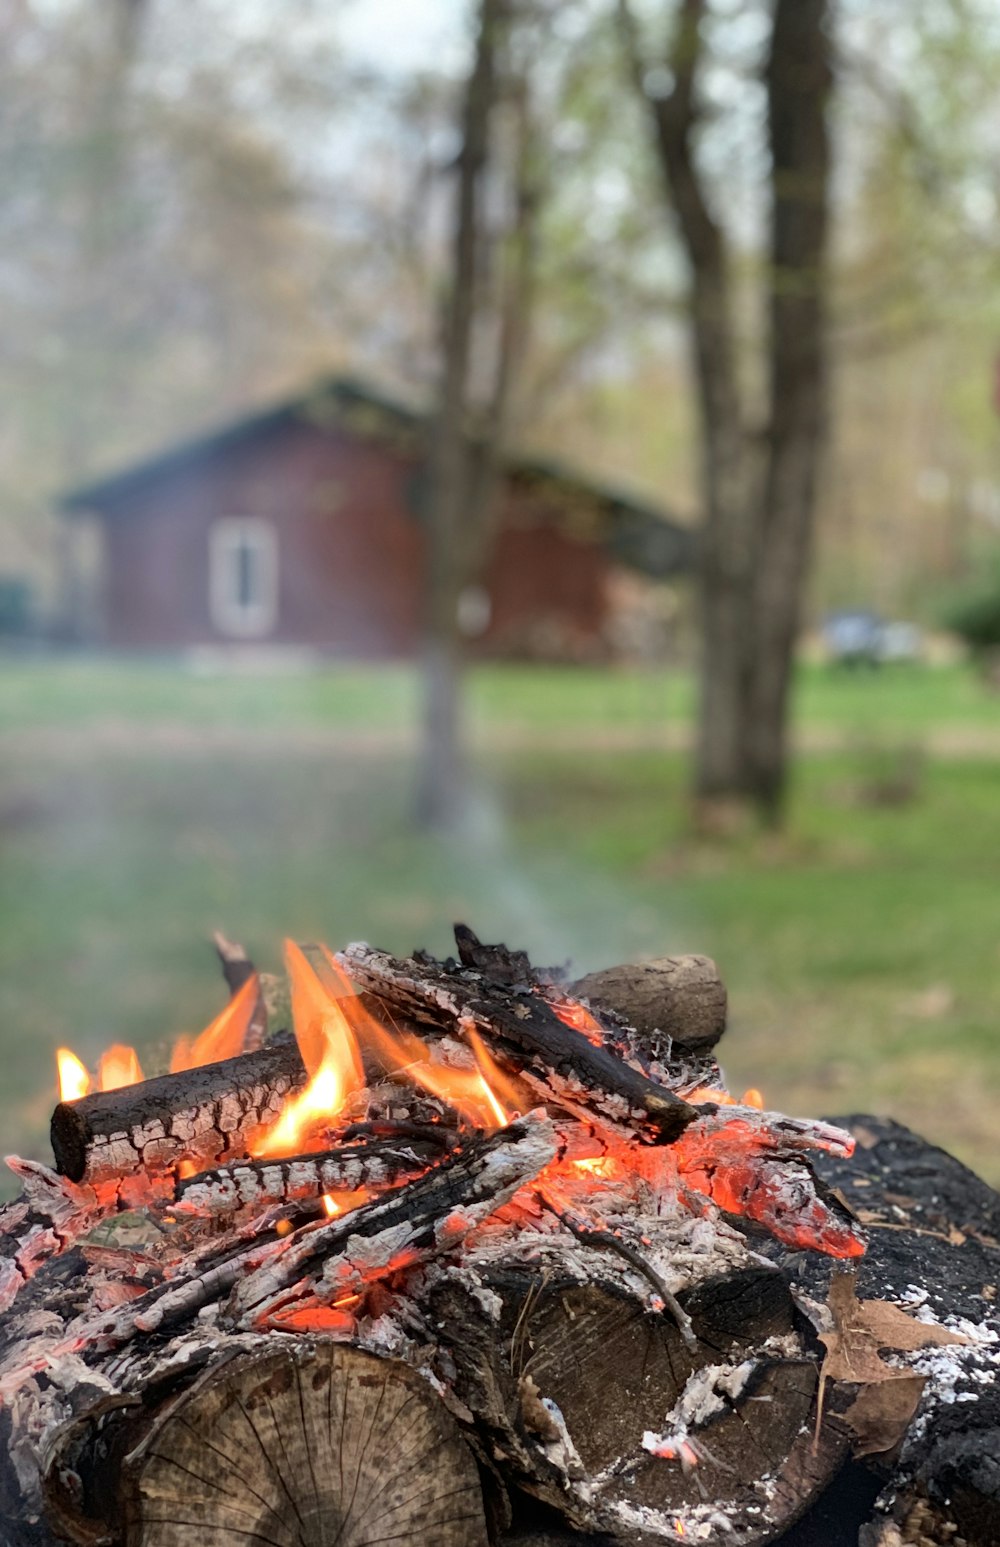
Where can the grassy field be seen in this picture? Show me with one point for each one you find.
(141, 807)
(43, 693)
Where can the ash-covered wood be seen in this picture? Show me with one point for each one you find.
(673, 1001)
(256, 1184)
(592, 1306)
(758, 1166)
(205, 1115)
(526, 1034)
(433, 1213)
(933, 1228)
(572, 1384)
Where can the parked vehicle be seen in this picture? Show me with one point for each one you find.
(860, 638)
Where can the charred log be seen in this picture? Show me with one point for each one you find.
(204, 1115)
(527, 1036)
(934, 1244)
(434, 1213)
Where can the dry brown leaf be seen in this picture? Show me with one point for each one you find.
(860, 1329)
(881, 1413)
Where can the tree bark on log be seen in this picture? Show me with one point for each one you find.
(682, 998)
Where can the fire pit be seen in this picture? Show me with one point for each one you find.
(475, 1254)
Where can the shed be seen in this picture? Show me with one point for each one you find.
(301, 526)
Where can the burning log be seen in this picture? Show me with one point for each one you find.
(435, 1212)
(203, 1115)
(527, 1036)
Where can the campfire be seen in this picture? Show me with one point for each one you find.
(468, 1249)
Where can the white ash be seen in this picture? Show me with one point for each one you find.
(560, 1450)
(383, 1335)
(707, 1393)
(700, 1522)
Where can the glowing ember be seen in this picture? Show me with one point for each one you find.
(601, 1166)
(119, 1066)
(222, 1038)
(330, 1204)
(74, 1081)
(574, 1014)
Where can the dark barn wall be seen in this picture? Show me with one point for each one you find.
(350, 551)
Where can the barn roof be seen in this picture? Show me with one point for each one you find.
(639, 534)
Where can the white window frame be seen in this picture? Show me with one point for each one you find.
(230, 616)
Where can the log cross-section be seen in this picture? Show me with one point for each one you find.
(308, 1445)
(526, 1034)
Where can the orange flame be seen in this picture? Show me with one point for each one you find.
(74, 1081)
(337, 1203)
(222, 1038)
(119, 1065)
(329, 1051)
(474, 1093)
(722, 1098)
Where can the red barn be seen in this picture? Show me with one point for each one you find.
(302, 526)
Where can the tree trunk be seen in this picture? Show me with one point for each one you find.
(757, 521)
(726, 545)
(440, 794)
(798, 77)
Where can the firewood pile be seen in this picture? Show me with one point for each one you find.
(471, 1254)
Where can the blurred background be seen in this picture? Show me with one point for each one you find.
(528, 461)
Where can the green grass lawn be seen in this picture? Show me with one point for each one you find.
(43, 692)
(862, 948)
